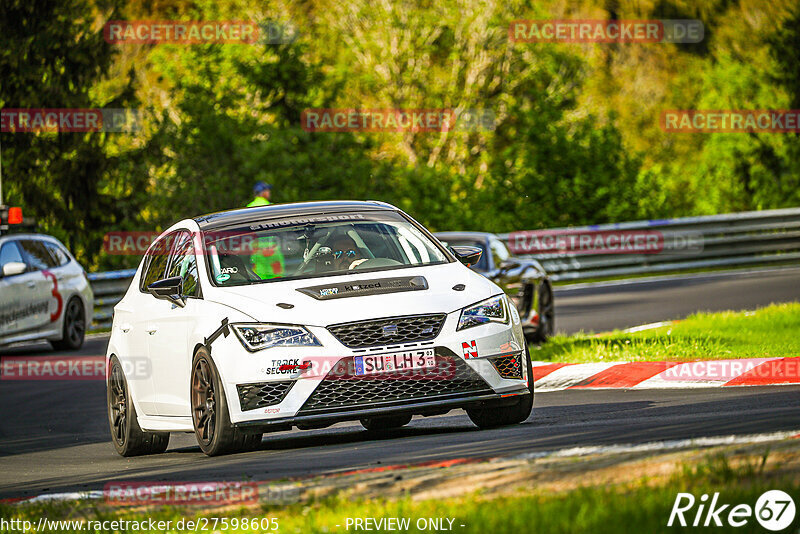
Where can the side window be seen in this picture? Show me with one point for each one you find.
(9, 252)
(184, 264)
(39, 257)
(499, 252)
(57, 252)
(157, 259)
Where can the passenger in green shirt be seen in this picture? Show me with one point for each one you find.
(267, 261)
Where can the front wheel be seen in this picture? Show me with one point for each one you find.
(212, 423)
(128, 437)
(493, 417)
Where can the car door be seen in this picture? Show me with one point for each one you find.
(168, 331)
(42, 288)
(134, 319)
(23, 301)
(69, 275)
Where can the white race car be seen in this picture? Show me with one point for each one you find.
(260, 319)
(44, 292)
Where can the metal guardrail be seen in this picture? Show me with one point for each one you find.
(108, 288)
(730, 240)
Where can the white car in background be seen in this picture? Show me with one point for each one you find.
(303, 315)
(44, 292)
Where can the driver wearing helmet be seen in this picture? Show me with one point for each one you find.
(346, 255)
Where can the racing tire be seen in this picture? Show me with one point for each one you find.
(493, 417)
(547, 316)
(73, 330)
(128, 437)
(210, 417)
(386, 422)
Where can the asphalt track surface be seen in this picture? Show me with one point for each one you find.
(54, 434)
(606, 307)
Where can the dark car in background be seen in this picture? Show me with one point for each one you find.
(523, 280)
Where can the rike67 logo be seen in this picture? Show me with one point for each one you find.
(774, 510)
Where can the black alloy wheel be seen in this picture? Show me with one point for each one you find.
(547, 314)
(74, 329)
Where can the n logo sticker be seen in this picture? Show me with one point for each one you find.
(470, 349)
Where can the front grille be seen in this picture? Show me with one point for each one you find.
(252, 396)
(508, 366)
(398, 330)
(342, 388)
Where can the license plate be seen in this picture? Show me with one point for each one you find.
(397, 361)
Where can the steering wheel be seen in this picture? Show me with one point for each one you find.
(320, 261)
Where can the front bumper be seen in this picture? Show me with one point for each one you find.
(471, 378)
(432, 407)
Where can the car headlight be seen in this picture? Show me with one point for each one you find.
(257, 337)
(493, 310)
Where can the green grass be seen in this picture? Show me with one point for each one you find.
(767, 332)
(638, 506)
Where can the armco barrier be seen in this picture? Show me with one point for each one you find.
(108, 289)
(730, 240)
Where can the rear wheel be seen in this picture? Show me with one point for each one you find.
(126, 434)
(493, 417)
(547, 315)
(74, 329)
(212, 423)
(386, 422)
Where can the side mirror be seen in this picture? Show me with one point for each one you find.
(469, 256)
(507, 265)
(169, 289)
(14, 268)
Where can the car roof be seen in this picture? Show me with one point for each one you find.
(26, 235)
(243, 216)
(477, 236)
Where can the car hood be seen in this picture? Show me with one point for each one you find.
(260, 301)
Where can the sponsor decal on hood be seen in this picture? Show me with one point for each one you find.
(361, 288)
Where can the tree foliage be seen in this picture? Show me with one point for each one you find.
(575, 140)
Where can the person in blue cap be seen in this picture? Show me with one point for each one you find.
(262, 191)
(267, 260)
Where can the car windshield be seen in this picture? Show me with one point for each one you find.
(482, 263)
(317, 246)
